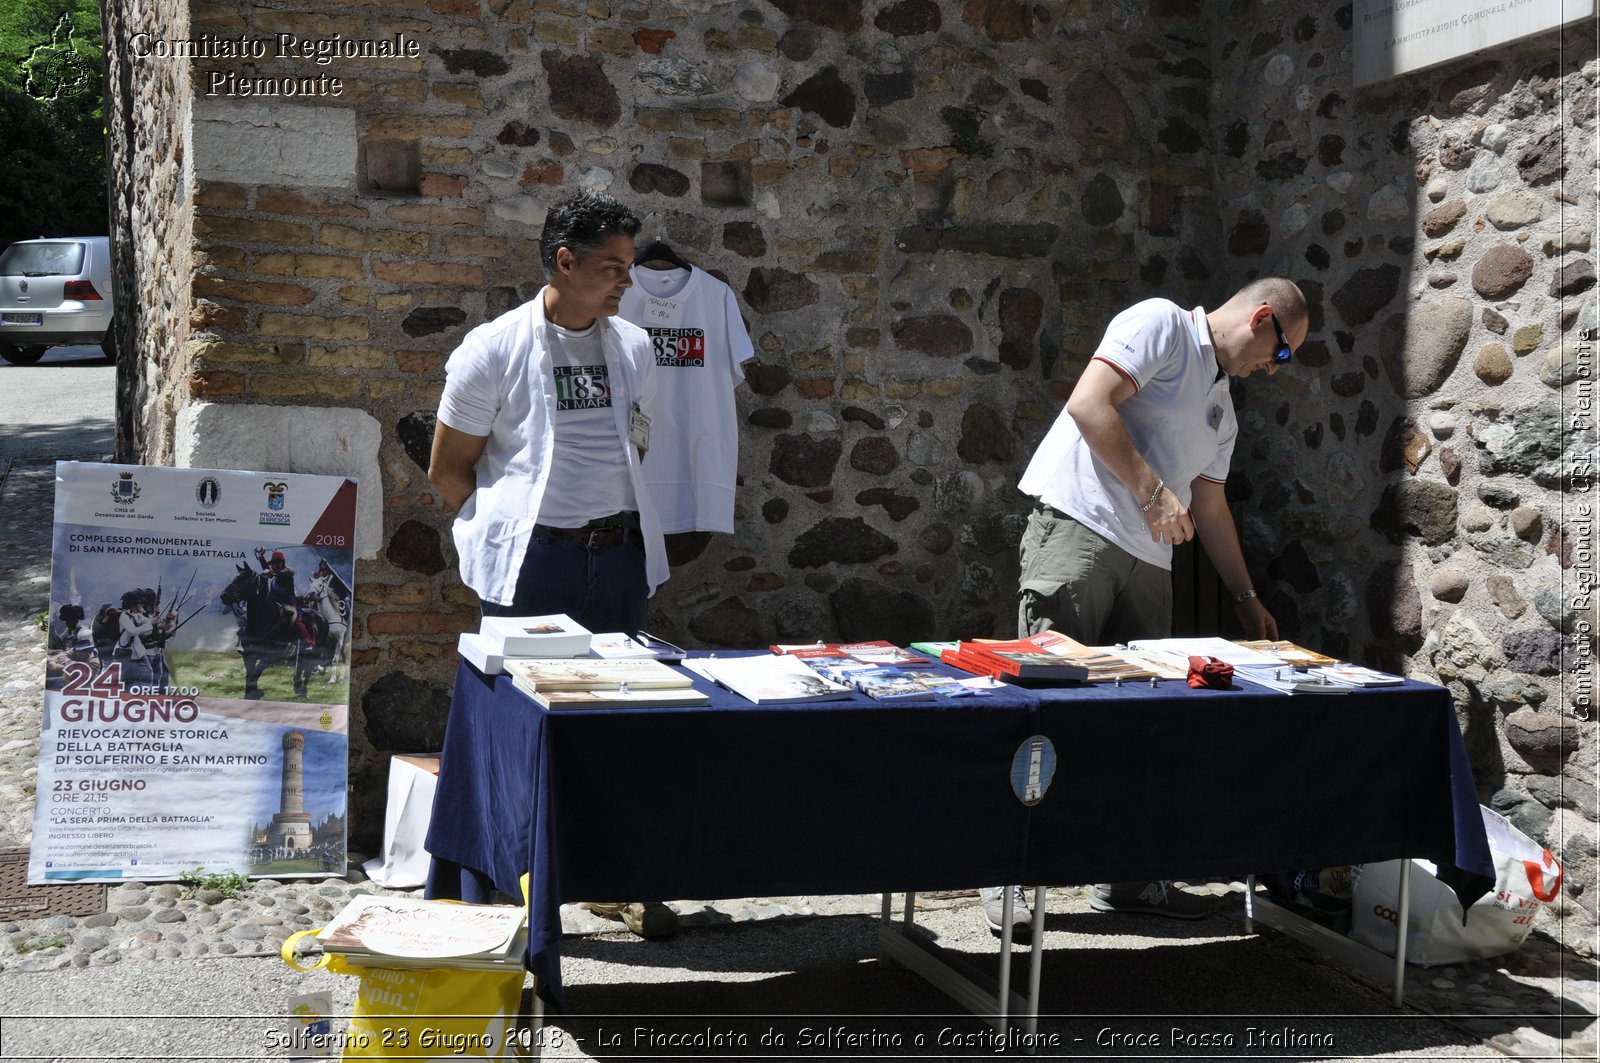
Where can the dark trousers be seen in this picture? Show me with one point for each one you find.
(603, 589)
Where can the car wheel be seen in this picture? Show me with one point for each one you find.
(21, 355)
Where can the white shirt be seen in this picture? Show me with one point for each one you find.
(699, 341)
(589, 476)
(499, 384)
(1180, 418)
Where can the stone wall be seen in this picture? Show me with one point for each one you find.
(929, 209)
(1418, 490)
(146, 116)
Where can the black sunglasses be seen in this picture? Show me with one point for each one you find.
(1283, 353)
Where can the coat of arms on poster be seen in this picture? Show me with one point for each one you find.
(196, 706)
(1394, 37)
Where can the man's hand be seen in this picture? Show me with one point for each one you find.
(1257, 622)
(1169, 522)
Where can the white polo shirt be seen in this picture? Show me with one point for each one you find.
(1180, 418)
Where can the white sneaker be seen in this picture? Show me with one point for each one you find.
(993, 898)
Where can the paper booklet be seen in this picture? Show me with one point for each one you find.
(773, 679)
(594, 673)
(557, 635)
(408, 932)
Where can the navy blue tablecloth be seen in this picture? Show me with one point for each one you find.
(737, 800)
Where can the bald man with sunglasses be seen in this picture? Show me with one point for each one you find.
(1135, 465)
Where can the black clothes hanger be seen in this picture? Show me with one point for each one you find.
(660, 251)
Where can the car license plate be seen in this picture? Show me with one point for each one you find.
(21, 319)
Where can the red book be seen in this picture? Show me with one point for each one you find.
(1023, 659)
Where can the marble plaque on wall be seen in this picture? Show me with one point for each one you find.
(1395, 37)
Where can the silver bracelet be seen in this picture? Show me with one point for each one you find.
(1161, 485)
(1244, 596)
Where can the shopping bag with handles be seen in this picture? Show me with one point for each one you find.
(1527, 877)
(425, 1013)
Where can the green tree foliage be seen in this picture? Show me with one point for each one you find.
(52, 166)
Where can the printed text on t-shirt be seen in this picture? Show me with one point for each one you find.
(582, 387)
(679, 347)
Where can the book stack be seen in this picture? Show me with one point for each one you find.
(406, 932)
(500, 638)
(1016, 660)
(599, 683)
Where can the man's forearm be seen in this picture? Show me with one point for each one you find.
(454, 487)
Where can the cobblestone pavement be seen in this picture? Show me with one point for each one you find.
(1535, 1004)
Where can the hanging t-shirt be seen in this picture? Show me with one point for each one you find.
(589, 471)
(700, 344)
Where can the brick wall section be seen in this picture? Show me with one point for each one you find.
(929, 209)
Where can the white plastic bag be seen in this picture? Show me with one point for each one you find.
(1527, 876)
(404, 863)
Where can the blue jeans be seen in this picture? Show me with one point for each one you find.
(604, 589)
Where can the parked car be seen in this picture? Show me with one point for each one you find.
(54, 291)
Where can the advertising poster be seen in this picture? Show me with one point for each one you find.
(196, 706)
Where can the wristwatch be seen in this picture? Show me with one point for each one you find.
(1244, 596)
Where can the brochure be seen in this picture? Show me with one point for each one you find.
(775, 679)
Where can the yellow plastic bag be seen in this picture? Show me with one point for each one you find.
(426, 1013)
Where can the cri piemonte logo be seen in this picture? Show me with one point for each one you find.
(277, 491)
(208, 492)
(125, 488)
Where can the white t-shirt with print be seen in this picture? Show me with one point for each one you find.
(589, 474)
(1180, 419)
(699, 341)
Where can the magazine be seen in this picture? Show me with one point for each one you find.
(773, 679)
(385, 930)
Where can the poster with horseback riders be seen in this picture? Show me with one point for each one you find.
(196, 708)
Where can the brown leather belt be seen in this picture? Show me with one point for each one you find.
(599, 534)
